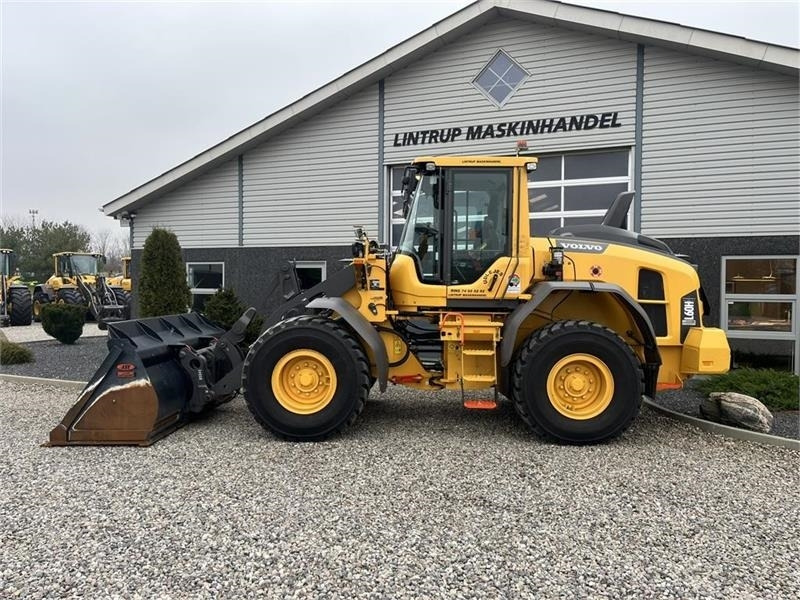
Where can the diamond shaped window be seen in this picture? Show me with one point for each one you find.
(500, 78)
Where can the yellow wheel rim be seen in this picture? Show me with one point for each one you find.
(580, 386)
(304, 382)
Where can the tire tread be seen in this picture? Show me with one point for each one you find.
(21, 306)
(529, 348)
(354, 348)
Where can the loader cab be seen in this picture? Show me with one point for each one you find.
(457, 222)
(70, 265)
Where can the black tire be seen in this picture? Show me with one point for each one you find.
(545, 358)
(70, 296)
(39, 300)
(21, 311)
(325, 338)
(124, 298)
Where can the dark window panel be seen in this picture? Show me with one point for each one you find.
(540, 227)
(598, 164)
(761, 275)
(760, 316)
(396, 231)
(309, 276)
(548, 169)
(551, 201)
(582, 221)
(592, 197)
(205, 276)
(397, 178)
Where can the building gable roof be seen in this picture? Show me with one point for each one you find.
(610, 24)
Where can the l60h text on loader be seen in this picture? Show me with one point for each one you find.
(573, 327)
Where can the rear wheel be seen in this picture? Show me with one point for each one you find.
(306, 379)
(20, 311)
(577, 382)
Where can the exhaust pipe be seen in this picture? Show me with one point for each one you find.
(158, 374)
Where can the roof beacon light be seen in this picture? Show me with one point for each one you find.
(522, 146)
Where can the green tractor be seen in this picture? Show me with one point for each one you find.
(15, 297)
(77, 280)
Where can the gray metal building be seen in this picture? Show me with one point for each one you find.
(703, 125)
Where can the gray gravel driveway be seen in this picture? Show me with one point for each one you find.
(420, 499)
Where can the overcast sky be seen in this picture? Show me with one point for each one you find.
(98, 98)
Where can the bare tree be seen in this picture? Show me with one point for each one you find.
(113, 245)
(9, 221)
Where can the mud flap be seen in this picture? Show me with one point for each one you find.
(159, 372)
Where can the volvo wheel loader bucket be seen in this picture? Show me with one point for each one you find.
(159, 372)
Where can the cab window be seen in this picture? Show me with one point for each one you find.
(480, 199)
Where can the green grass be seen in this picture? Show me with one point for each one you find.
(777, 390)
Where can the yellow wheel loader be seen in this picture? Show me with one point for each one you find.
(77, 280)
(574, 327)
(15, 297)
(121, 286)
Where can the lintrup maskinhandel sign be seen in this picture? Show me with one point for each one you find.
(507, 129)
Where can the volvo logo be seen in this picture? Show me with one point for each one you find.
(590, 247)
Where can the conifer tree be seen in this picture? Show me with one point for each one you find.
(163, 289)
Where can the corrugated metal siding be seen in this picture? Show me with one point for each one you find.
(720, 153)
(571, 73)
(312, 183)
(203, 213)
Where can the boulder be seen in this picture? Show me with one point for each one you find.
(738, 410)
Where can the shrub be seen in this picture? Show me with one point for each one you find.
(762, 361)
(63, 321)
(162, 286)
(14, 354)
(777, 390)
(224, 308)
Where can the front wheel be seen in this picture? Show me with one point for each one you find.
(306, 379)
(123, 299)
(577, 382)
(39, 300)
(70, 296)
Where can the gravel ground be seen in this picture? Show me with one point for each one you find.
(82, 360)
(54, 360)
(419, 499)
(35, 333)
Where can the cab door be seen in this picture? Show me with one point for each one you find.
(477, 260)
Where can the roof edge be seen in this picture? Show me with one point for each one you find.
(625, 27)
